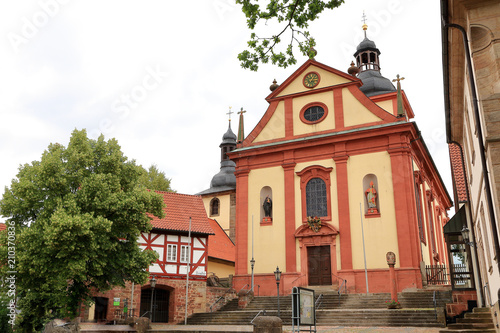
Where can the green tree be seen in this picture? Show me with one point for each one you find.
(292, 16)
(77, 214)
(154, 179)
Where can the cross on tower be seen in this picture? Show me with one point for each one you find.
(240, 112)
(398, 79)
(230, 113)
(364, 19)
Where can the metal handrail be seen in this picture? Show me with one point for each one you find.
(221, 297)
(145, 313)
(342, 285)
(318, 302)
(258, 314)
(486, 288)
(298, 278)
(246, 285)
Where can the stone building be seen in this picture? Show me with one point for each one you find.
(471, 63)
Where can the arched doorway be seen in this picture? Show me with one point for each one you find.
(161, 298)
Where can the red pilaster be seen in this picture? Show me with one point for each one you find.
(338, 108)
(242, 220)
(402, 178)
(340, 159)
(289, 167)
(288, 117)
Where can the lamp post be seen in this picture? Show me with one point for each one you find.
(466, 236)
(252, 264)
(153, 285)
(277, 275)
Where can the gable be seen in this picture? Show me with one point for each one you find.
(341, 104)
(326, 79)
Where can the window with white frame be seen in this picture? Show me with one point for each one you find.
(171, 252)
(184, 253)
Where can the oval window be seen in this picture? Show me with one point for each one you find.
(314, 113)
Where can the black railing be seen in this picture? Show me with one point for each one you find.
(437, 274)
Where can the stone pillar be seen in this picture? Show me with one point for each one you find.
(391, 261)
(268, 324)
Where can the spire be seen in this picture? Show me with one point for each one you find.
(241, 130)
(229, 114)
(401, 110)
(365, 26)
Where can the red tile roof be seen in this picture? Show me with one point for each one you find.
(178, 209)
(3, 226)
(458, 172)
(220, 245)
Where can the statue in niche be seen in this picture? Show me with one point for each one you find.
(371, 198)
(268, 206)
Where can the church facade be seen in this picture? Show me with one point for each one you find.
(333, 178)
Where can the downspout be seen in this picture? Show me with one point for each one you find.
(478, 125)
(476, 268)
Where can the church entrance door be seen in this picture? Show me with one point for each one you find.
(319, 265)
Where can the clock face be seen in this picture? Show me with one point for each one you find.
(311, 80)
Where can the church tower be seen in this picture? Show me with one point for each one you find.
(220, 198)
(368, 61)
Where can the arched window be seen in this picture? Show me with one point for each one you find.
(315, 187)
(316, 200)
(214, 207)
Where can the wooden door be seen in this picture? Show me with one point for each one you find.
(319, 265)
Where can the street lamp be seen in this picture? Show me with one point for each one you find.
(466, 236)
(277, 275)
(153, 285)
(252, 264)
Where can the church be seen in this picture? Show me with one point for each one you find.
(334, 177)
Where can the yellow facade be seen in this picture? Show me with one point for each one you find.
(380, 233)
(275, 127)
(267, 238)
(224, 209)
(326, 80)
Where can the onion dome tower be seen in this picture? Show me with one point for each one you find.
(367, 60)
(226, 178)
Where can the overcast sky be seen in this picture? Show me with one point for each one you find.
(160, 76)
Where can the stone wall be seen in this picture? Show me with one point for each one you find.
(197, 300)
(214, 293)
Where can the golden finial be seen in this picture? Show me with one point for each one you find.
(230, 113)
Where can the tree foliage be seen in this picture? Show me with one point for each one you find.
(155, 180)
(77, 215)
(291, 15)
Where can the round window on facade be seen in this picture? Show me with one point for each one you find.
(313, 113)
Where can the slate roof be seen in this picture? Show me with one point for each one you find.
(458, 172)
(178, 209)
(220, 245)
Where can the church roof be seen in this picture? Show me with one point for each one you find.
(178, 209)
(374, 83)
(229, 136)
(220, 245)
(458, 172)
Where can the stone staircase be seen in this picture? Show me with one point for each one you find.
(479, 320)
(346, 310)
(96, 328)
